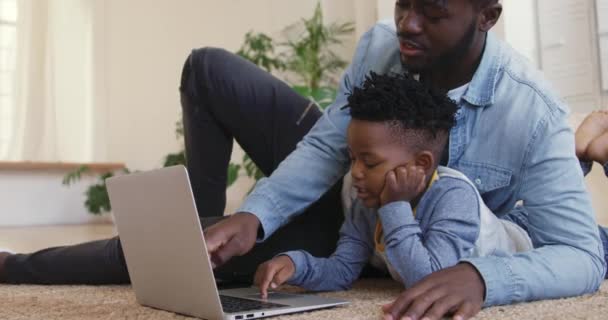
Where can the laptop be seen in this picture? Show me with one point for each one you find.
(167, 258)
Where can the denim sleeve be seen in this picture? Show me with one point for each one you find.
(450, 235)
(606, 169)
(568, 255)
(343, 267)
(318, 162)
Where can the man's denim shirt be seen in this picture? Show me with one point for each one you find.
(511, 139)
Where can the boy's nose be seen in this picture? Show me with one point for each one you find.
(356, 172)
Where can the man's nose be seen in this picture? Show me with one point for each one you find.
(410, 22)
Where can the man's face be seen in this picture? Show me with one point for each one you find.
(434, 33)
(374, 151)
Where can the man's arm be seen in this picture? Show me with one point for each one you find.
(318, 162)
(568, 259)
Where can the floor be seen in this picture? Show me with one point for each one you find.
(28, 239)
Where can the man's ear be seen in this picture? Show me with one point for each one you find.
(489, 15)
(425, 160)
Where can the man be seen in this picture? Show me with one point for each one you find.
(511, 139)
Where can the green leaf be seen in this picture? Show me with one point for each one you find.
(259, 49)
(74, 176)
(251, 168)
(98, 200)
(174, 159)
(233, 173)
(309, 53)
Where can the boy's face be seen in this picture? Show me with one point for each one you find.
(374, 151)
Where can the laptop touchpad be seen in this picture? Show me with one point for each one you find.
(273, 296)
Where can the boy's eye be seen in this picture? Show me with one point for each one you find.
(370, 166)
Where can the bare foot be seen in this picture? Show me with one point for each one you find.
(594, 125)
(598, 149)
(3, 256)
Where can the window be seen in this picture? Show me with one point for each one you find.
(8, 43)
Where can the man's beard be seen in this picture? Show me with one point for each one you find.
(450, 57)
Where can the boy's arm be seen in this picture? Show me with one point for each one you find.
(449, 236)
(343, 267)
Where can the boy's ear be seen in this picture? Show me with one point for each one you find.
(425, 160)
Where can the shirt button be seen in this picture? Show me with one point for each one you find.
(477, 181)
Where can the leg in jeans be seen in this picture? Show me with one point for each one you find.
(223, 96)
(95, 262)
(226, 97)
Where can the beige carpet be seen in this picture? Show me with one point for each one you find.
(118, 302)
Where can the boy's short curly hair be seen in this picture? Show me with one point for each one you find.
(412, 110)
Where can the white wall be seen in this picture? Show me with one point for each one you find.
(32, 197)
(547, 29)
(386, 9)
(520, 29)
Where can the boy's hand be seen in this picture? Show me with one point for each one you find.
(402, 184)
(274, 273)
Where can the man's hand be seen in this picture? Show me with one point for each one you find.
(231, 237)
(273, 273)
(457, 290)
(402, 184)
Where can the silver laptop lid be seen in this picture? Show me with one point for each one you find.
(159, 229)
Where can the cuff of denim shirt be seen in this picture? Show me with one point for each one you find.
(395, 215)
(300, 266)
(497, 277)
(606, 169)
(586, 166)
(266, 211)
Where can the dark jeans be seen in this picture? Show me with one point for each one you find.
(223, 97)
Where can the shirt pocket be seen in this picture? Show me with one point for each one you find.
(486, 177)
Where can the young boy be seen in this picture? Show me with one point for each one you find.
(410, 213)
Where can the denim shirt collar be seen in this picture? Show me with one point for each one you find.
(483, 85)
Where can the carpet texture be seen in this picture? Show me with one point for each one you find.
(118, 302)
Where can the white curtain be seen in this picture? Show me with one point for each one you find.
(54, 82)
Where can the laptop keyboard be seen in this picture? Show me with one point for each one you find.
(234, 304)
